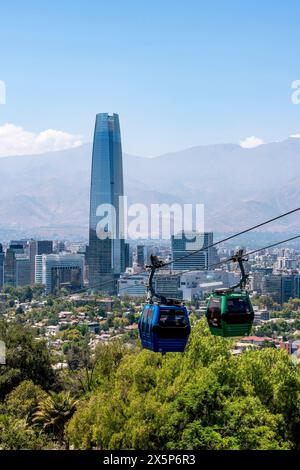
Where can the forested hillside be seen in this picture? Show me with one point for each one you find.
(125, 398)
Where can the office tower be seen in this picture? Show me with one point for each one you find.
(256, 281)
(215, 258)
(2, 256)
(106, 257)
(10, 268)
(38, 269)
(38, 247)
(15, 247)
(297, 286)
(141, 255)
(271, 285)
(127, 256)
(184, 244)
(59, 247)
(287, 288)
(280, 287)
(58, 271)
(22, 262)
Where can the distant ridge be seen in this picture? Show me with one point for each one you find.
(49, 193)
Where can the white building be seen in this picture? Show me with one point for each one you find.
(57, 271)
(133, 285)
(198, 283)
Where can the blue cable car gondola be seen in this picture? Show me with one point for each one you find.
(164, 325)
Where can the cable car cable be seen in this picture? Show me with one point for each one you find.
(232, 236)
(230, 259)
(214, 244)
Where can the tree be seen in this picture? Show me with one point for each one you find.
(16, 434)
(26, 358)
(82, 365)
(54, 411)
(205, 398)
(23, 400)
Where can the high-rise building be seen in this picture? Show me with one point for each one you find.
(128, 261)
(287, 288)
(184, 244)
(22, 270)
(141, 255)
(271, 285)
(15, 247)
(106, 253)
(297, 286)
(256, 281)
(38, 247)
(280, 287)
(58, 271)
(215, 258)
(2, 256)
(38, 269)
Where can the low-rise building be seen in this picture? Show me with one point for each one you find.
(132, 285)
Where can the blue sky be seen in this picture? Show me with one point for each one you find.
(179, 73)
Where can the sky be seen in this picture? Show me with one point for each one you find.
(178, 73)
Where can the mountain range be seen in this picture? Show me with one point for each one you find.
(48, 194)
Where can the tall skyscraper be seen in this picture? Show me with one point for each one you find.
(38, 269)
(38, 247)
(22, 270)
(106, 253)
(128, 261)
(185, 243)
(15, 247)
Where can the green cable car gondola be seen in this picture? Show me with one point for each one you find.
(229, 311)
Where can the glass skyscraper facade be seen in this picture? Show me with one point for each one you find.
(10, 266)
(185, 243)
(106, 254)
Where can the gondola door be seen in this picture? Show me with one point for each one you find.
(147, 329)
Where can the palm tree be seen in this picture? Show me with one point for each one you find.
(54, 411)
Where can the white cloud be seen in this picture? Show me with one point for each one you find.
(14, 140)
(295, 136)
(251, 142)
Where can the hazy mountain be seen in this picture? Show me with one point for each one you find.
(48, 194)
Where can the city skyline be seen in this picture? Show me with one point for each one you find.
(149, 230)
